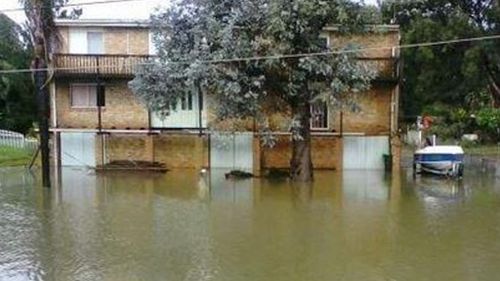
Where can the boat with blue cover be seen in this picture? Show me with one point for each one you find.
(444, 160)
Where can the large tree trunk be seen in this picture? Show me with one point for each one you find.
(493, 73)
(301, 168)
(495, 92)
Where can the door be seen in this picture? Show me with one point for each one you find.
(365, 153)
(184, 114)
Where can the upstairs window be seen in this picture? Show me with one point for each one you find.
(95, 43)
(83, 41)
(86, 96)
(319, 116)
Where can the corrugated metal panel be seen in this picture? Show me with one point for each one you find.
(78, 149)
(365, 153)
(232, 151)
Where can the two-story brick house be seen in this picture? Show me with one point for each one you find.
(96, 119)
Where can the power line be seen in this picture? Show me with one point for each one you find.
(76, 4)
(285, 56)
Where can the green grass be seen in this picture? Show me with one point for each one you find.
(10, 156)
(483, 150)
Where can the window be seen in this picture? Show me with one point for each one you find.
(187, 102)
(324, 40)
(319, 116)
(95, 43)
(85, 96)
(84, 41)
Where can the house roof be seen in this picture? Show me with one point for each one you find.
(103, 22)
(373, 27)
(146, 23)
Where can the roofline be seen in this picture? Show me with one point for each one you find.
(103, 23)
(146, 23)
(377, 27)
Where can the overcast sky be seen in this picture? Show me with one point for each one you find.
(139, 9)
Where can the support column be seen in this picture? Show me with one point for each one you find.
(256, 151)
(149, 148)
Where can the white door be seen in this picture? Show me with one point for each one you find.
(365, 153)
(184, 114)
(78, 149)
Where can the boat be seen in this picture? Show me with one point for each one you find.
(442, 160)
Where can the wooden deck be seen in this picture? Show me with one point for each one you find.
(72, 65)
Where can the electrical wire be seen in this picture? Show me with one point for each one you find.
(284, 56)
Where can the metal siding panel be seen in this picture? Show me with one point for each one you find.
(365, 153)
(230, 151)
(78, 149)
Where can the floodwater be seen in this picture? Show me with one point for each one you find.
(360, 225)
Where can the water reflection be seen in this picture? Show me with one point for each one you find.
(433, 189)
(183, 225)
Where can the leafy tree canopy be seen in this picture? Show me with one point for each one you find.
(448, 74)
(16, 95)
(193, 36)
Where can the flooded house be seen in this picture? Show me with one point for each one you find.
(96, 119)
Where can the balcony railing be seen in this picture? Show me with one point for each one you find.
(125, 65)
(388, 68)
(105, 65)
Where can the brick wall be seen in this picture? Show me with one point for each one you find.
(181, 151)
(326, 153)
(117, 40)
(132, 41)
(122, 109)
(374, 115)
(174, 150)
(382, 39)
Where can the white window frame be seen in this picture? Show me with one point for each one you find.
(78, 40)
(103, 51)
(72, 85)
(327, 113)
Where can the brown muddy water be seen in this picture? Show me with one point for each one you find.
(356, 225)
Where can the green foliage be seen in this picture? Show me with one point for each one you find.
(17, 107)
(488, 120)
(447, 73)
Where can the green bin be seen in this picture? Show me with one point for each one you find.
(388, 162)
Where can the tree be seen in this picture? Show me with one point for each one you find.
(447, 74)
(17, 105)
(199, 41)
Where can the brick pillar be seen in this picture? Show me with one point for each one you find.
(100, 143)
(198, 152)
(256, 151)
(149, 148)
(339, 154)
(206, 151)
(396, 153)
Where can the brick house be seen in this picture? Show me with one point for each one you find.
(96, 119)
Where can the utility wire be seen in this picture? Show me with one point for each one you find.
(76, 4)
(284, 56)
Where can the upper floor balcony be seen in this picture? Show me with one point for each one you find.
(107, 66)
(124, 66)
(388, 68)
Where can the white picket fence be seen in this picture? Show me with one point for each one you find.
(17, 140)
